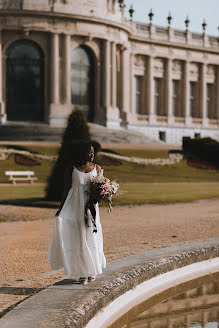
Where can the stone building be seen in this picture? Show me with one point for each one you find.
(60, 54)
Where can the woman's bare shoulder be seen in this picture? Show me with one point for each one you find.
(98, 168)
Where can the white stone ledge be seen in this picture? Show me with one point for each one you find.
(120, 306)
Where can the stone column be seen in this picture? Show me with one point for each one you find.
(188, 37)
(217, 94)
(186, 95)
(114, 76)
(110, 85)
(205, 317)
(67, 69)
(188, 320)
(150, 90)
(169, 91)
(107, 88)
(170, 33)
(125, 84)
(205, 40)
(132, 86)
(54, 80)
(203, 95)
(55, 113)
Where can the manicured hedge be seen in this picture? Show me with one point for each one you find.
(77, 129)
(205, 150)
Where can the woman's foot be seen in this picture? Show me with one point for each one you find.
(90, 279)
(83, 281)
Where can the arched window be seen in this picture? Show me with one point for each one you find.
(24, 82)
(82, 81)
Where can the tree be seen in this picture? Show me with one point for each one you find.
(77, 129)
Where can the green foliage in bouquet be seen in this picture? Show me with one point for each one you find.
(205, 150)
(77, 129)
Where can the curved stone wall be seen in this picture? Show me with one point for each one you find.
(92, 8)
(70, 305)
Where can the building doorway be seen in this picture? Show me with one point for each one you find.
(24, 82)
(82, 81)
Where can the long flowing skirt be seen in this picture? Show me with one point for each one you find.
(73, 245)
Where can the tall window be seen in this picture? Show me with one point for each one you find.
(139, 95)
(82, 81)
(192, 99)
(25, 82)
(157, 95)
(175, 97)
(211, 101)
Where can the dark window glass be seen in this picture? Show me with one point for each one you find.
(209, 100)
(139, 90)
(175, 96)
(157, 94)
(24, 82)
(82, 84)
(162, 135)
(192, 99)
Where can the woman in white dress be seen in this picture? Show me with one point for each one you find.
(73, 244)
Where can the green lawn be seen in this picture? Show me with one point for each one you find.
(145, 184)
(135, 194)
(127, 172)
(42, 171)
(160, 193)
(181, 172)
(142, 153)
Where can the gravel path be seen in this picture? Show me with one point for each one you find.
(127, 230)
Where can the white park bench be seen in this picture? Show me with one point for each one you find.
(20, 176)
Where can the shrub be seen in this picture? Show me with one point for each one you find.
(77, 128)
(205, 150)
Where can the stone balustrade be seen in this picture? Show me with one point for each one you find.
(176, 36)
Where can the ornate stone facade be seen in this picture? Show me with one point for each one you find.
(60, 54)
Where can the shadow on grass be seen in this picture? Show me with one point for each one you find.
(30, 202)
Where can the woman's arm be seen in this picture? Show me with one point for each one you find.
(98, 167)
(67, 186)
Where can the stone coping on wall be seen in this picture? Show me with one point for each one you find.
(66, 304)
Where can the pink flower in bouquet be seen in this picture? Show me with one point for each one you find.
(103, 189)
(106, 187)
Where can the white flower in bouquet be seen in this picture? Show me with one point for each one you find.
(102, 189)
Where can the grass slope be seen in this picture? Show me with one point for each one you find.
(145, 184)
(136, 194)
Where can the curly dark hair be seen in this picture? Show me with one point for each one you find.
(77, 152)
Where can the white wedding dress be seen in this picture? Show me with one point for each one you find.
(73, 244)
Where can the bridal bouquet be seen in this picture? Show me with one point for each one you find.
(101, 189)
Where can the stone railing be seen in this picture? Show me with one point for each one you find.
(177, 36)
(6, 152)
(173, 158)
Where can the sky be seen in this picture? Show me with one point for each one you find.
(197, 10)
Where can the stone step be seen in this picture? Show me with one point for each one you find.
(43, 132)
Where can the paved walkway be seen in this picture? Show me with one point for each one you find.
(127, 230)
(124, 283)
